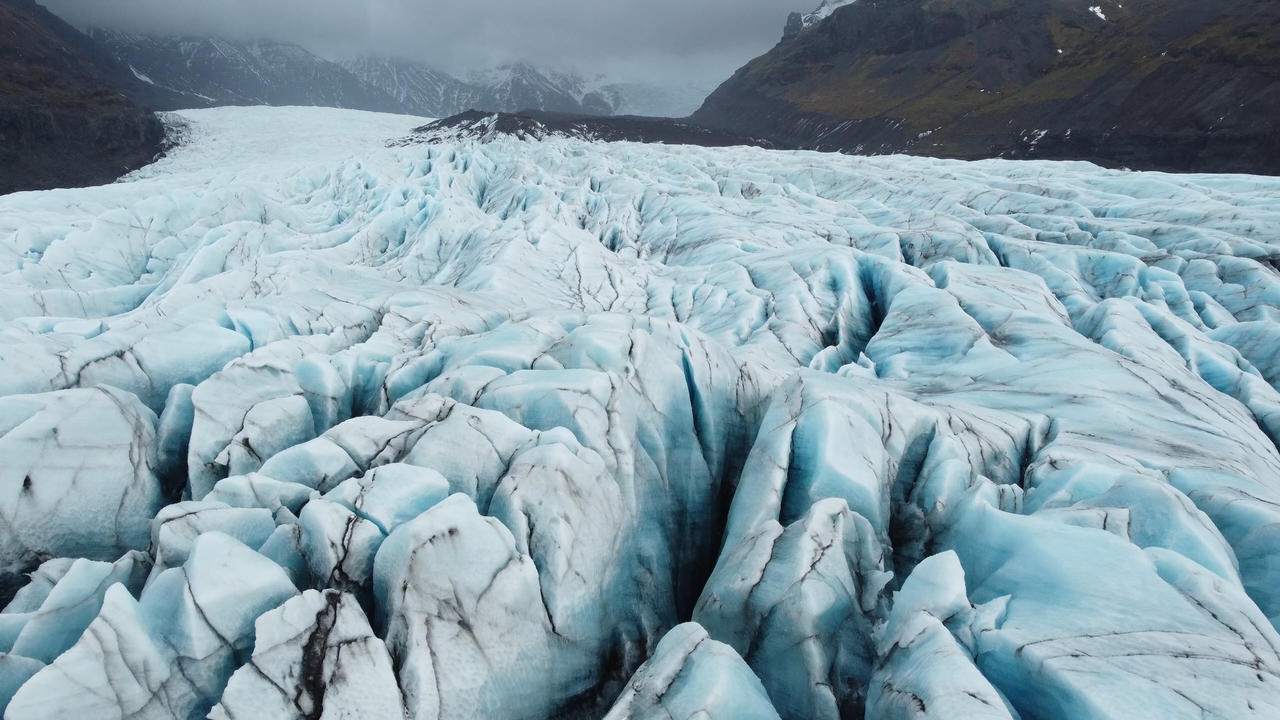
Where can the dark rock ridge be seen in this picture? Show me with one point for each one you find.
(66, 117)
(536, 125)
(1161, 84)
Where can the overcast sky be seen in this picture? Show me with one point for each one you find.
(696, 40)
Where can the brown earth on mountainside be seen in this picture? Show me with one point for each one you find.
(1163, 84)
(65, 117)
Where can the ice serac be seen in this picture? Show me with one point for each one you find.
(116, 666)
(465, 621)
(315, 658)
(51, 627)
(77, 473)
(926, 651)
(49, 615)
(1176, 620)
(692, 676)
(476, 429)
(800, 604)
(169, 653)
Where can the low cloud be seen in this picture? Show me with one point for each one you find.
(672, 40)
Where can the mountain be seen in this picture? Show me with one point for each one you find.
(214, 71)
(803, 21)
(298, 423)
(521, 86)
(536, 124)
(418, 88)
(203, 72)
(1146, 83)
(424, 90)
(69, 114)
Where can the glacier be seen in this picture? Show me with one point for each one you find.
(310, 419)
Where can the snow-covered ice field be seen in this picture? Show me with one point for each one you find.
(296, 424)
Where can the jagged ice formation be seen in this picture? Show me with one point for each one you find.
(303, 423)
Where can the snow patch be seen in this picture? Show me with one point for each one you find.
(823, 12)
(141, 76)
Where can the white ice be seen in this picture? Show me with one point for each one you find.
(902, 437)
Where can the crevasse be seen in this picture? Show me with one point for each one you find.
(301, 423)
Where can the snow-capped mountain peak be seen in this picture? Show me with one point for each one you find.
(419, 88)
(522, 86)
(204, 71)
(218, 71)
(823, 12)
(798, 22)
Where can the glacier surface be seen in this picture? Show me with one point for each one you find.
(305, 421)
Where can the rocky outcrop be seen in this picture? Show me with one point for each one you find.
(535, 125)
(65, 116)
(1161, 84)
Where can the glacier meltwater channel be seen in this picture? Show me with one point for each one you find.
(304, 422)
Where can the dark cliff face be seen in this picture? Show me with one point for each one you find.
(65, 119)
(1162, 84)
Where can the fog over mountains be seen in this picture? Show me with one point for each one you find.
(659, 42)
(208, 71)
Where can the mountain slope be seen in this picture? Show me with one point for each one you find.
(520, 86)
(1157, 83)
(214, 71)
(185, 72)
(424, 90)
(418, 88)
(65, 119)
